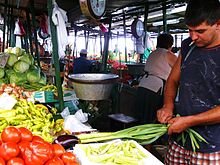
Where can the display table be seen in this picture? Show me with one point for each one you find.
(84, 160)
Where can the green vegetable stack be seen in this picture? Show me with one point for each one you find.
(20, 69)
(143, 134)
(35, 117)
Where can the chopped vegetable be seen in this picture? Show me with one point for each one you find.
(115, 152)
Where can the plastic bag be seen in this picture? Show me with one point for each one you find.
(76, 123)
(19, 29)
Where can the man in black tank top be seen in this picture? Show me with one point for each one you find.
(197, 76)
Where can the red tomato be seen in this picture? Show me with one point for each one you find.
(2, 161)
(73, 163)
(44, 150)
(68, 158)
(11, 134)
(26, 134)
(16, 161)
(30, 158)
(9, 150)
(58, 150)
(23, 145)
(55, 161)
(38, 153)
(37, 139)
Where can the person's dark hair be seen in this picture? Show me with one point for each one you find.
(164, 40)
(199, 11)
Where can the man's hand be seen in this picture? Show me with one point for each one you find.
(164, 115)
(178, 124)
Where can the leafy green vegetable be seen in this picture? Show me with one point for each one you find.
(2, 73)
(3, 81)
(34, 67)
(26, 58)
(33, 75)
(8, 50)
(17, 51)
(43, 79)
(17, 78)
(9, 72)
(21, 66)
(12, 59)
(143, 134)
(31, 59)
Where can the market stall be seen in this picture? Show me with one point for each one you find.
(43, 119)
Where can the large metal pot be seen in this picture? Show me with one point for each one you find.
(93, 86)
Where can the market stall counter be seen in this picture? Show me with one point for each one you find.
(114, 152)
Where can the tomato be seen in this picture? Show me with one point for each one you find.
(68, 158)
(9, 150)
(16, 161)
(38, 153)
(58, 149)
(55, 161)
(44, 150)
(73, 163)
(26, 134)
(11, 134)
(23, 145)
(2, 161)
(30, 158)
(37, 139)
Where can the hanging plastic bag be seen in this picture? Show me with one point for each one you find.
(19, 29)
(43, 30)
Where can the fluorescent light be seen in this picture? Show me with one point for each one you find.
(171, 21)
(177, 10)
(155, 14)
(169, 11)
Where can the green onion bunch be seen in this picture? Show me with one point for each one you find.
(143, 134)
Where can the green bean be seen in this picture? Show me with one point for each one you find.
(192, 142)
(198, 136)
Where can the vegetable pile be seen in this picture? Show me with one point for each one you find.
(35, 117)
(116, 152)
(18, 146)
(12, 89)
(20, 69)
(143, 134)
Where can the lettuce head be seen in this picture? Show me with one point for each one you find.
(12, 59)
(33, 75)
(2, 73)
(21, 66)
